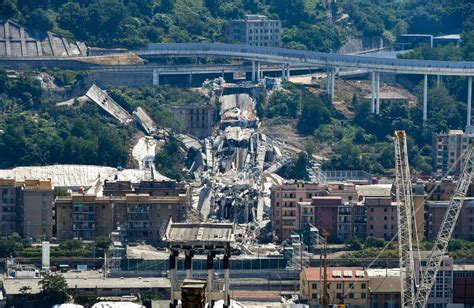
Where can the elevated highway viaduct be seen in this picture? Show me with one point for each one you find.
(329, 61)
(286, 59)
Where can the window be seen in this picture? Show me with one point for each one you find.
(339, 286)
(314, 286)
(363, 286)
(362, 295)
(351, 295)
(314, 296)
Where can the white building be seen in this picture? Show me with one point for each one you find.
(256, 30)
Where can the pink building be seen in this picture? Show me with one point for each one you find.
(326, 211)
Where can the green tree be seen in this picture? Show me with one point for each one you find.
(41, 19)
(298, 169)
(54, 289)
(314, 113)
(102, 243)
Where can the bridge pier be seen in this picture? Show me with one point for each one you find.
(328, 83)
(256, 72)
(425, 100)
(259, 73)
(372, 105)
(438, 81)
(469, 100)
(190, 78)
(285, 71)
(377, 93)
(253, 71)
(333, 81)
(156, 77)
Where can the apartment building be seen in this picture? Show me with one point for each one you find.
(464, 228)
(382, 220)
(463, 284)
(143, 217)
(346, 285)
(26, 208)
(326, 211)
(256, 30)
(442, 292)
(446, 150)
(444, 189)
(285, 211)
(197, 120)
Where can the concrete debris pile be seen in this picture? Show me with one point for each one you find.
(214, 87)
(229, 167)
(237, 110)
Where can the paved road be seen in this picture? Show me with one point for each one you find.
(290, 56)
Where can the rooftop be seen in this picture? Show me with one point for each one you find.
(200, 233)
(337, 274)
(378, 190)
(383, 272)
(13, 286)
(76, 175)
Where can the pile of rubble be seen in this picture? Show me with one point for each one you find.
(229, 166)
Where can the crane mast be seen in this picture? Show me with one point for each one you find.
(440, 247)
(404, 206)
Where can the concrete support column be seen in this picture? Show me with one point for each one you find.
(377, 93)
(372, 105)
(283, 71)
(259, 73)
(253, 71)
(156, 77)
(469, 100)
(190, 78)
(210, 276)
(226, 278)
(438, 81)
(173, 276)
(333, 83)
(425, 100)
(288, 71)
(188, 264)
(328, 83)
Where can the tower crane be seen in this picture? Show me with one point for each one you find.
(405, 215)
(428, 276)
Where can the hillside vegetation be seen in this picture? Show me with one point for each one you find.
(112, 23)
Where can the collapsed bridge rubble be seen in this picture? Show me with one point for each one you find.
(229, 166)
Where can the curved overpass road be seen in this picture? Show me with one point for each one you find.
(291, 56)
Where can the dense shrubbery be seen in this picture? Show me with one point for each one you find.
(63, 135)
(170, 160)
(131, 23)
